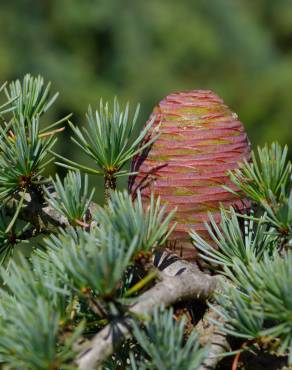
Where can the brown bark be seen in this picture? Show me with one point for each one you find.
(110, 183)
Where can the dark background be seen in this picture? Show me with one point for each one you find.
(141, 50)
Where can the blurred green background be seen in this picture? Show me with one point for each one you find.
(143, 50)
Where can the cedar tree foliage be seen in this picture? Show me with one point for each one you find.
(98, 287)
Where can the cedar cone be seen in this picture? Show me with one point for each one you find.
(200, 140)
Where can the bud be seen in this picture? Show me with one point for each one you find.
(200, 140)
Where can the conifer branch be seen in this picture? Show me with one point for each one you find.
(179, 281)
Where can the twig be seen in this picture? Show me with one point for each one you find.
(179, 281)
(41, 215)
(235, 361)
(110, 183)
(209, 334)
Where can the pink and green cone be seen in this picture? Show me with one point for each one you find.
(200, 140)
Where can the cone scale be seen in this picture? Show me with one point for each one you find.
(200, 140)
